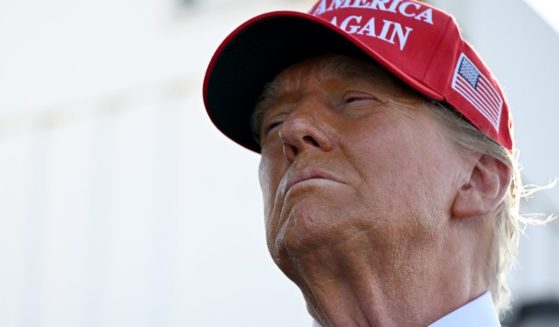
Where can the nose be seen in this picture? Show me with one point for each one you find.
(304, 130)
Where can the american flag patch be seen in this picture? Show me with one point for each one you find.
(470, 83)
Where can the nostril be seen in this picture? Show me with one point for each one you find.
(310, 140)
(290, 152)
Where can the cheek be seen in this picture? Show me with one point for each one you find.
(400, 174)
(264, 174)
(270, 172)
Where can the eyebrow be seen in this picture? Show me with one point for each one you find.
(347, 67)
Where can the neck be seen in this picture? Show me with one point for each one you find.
(413, 286)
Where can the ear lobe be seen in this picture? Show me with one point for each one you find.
(484, 191)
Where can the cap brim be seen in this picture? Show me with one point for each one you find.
(261, 48)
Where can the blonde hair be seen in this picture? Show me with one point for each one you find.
(508, 220)
(508, 223)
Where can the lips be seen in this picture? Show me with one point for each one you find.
(308, 174)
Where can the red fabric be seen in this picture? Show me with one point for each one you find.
(418, 43)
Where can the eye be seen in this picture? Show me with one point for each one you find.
(271, 126)
(359, 97)
(272, 123)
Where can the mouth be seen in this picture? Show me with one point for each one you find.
(308, 174)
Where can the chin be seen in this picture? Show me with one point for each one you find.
(291, 247)
(307, 226)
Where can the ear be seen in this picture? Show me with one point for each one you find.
(485, 189)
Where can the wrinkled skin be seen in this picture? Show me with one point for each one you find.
(359, 183)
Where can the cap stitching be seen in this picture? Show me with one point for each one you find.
(437, 49)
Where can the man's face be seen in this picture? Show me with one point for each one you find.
(351, 163)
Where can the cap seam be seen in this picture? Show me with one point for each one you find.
(436, 51)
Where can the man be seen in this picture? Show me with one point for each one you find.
(390, 187)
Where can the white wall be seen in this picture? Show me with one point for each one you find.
(123, 206)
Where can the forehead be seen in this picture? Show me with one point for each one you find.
(333, 74)
(343, 68)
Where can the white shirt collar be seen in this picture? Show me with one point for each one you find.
(479, 312)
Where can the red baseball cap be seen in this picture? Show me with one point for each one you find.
(418, 43)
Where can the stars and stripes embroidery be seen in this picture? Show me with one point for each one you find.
(470, 83)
